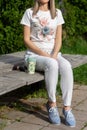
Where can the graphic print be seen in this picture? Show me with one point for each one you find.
(42, 29)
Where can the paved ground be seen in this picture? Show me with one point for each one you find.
(33, 115)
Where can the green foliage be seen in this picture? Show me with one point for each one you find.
(74, 45)
(11, 12)
(75, 13)
(75, 27)
(80, 74)
(11, 37)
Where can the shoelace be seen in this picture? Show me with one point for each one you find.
(69, 114)
(52, 109)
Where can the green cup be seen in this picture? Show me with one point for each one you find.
(31, 65)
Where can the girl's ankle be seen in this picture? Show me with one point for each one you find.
(52, 104)
(66, 107)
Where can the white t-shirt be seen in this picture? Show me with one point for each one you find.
(42, 27)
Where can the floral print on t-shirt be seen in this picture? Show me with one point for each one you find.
(42, 29)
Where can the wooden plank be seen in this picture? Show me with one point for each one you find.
(8, 86)
(11, 80)
(76, 60)
(25, 77)
(14, 80)
(8, 60)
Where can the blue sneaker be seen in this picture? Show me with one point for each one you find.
(69, 118)
(53, 115)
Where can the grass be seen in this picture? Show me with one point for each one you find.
(2, 125)
(74, 45)
(80, 74)
(84, 126)
(38, 90)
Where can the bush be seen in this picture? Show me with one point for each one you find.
(75, 27)
(75, 13)
(11, 37)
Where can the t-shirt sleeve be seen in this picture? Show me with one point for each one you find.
(26, 18)
(60, 17)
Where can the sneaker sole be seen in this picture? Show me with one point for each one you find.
(69, 125)
(54, 123)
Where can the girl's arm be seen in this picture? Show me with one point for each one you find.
(58, 42)
(30, 44)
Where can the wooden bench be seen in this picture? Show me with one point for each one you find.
(11, 80)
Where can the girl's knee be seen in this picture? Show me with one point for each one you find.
(66, 66)
(52, 64)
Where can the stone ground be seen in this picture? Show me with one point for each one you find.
(32, 114)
